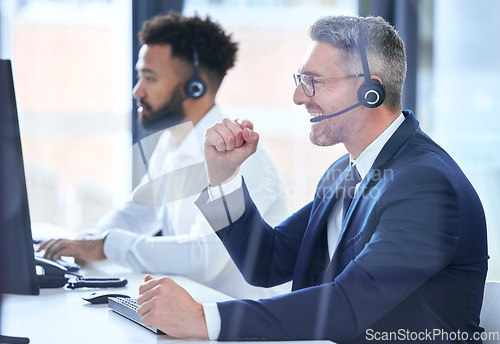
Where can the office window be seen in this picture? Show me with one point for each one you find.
(71, 62)
(465, 103)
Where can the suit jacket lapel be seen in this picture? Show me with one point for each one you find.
(326, 196)
(330, 191)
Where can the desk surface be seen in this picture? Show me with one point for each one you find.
(60, 316)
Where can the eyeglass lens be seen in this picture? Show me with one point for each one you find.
(306, 82)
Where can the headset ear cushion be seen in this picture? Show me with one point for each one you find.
(371, 93)
(195, 88)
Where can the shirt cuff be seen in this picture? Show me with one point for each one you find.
(213, 320)
(226, 188)
(117, 244)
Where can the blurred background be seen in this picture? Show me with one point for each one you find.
(73, 66)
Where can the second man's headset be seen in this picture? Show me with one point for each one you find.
(195, 87)
(371, 93)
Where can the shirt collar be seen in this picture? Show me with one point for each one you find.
(366, 159)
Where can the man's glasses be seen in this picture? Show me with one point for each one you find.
(308, 81)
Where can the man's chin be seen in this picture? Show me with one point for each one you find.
(323, 138)
(160, 121)
(144, 115)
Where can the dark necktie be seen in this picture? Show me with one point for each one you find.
(351, 180)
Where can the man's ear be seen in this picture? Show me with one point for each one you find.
(376, 77)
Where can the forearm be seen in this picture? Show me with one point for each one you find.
(131, 217)
(200, 259)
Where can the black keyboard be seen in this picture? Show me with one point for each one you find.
(127, 307)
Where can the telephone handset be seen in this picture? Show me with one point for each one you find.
(50, 274)
(53, 275)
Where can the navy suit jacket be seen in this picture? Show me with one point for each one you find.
(411, 258)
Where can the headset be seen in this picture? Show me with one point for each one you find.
(195, 87)
(371, 93)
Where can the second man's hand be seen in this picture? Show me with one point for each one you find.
(82, 250)
(227, 145)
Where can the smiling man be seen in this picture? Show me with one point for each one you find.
(392, 246)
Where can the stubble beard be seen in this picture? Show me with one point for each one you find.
(329, 134)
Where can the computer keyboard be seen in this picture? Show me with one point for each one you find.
(127, 307)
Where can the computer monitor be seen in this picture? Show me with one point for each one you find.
(17, 263)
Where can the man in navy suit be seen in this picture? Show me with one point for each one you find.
(393, 246)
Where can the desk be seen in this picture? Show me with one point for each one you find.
(58, 316)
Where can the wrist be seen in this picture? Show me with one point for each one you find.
(202, 331)
(229, 179)
(220, 171)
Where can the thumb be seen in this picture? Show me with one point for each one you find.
(251, 141)
(244, 123)
(250, 136)
(148, 278)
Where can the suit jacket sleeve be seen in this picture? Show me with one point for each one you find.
(415, 237)
(265, 256)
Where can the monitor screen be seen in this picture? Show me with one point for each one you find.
(17, 263)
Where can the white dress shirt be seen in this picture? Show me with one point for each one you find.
(188, 246)
(363, 163)
(334, 223)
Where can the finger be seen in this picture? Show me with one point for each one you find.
(144, 307)
(148, 317)
(50, 247)
(245, 123)
(147, 285)
(213, 139)
(144, 297)
(252, 141)
(81, 262)
(236, 129)
(148, 291)
(148, 278)
(63, 247)
(44, 244)
(145, 318)
(58, 249)
(250, 136)
(227, 135)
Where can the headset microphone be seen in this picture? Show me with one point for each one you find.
(317, 119)
(371, 93)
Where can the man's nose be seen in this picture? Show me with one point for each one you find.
(137, 91)
(299, 96)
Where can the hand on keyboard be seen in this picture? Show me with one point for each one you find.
(81, 249)
(169, 307)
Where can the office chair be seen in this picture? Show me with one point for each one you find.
(490, 312)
